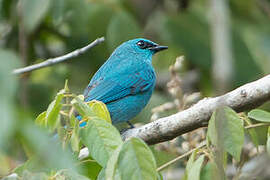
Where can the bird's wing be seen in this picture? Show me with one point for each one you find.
(114, 88)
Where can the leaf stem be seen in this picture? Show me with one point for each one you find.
(180, 157)
(85, 161)
(64, 113)
(257, 125)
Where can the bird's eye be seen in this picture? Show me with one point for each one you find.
(142, 44)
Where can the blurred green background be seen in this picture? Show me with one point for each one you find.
(37, 30)
(34, 30)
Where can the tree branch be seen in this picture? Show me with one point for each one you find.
(56, 60)
(241, 99)
(246, 97)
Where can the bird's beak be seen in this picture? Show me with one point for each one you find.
(158, 48)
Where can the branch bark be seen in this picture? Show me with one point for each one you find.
(248, 96)
(56, 60)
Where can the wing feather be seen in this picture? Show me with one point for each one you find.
(114, 88)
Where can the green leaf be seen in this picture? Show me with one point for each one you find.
(189, 164)
(91, 109)
(45, 148)
(133, 151)
(52, 115)
(212, 131)
(32, 164)
(209, 171)
(191, 161)
(33, 11)
(75, 140)
(268, 142)
(41, 119)
(259, 115)
(100, 110)
(262, 134)
(233, 133)
(111, 171)
(82, 108)
(226, 130)
(101, 175)
(160, 177)
(194, 172)
(73, 121)
(101, 138)
(253, 134)
(89, 168)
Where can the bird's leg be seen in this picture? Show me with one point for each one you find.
(130, 124)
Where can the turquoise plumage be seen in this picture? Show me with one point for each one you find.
(125, 82)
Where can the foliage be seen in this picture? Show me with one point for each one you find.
(34, 30)
(110, 157)
(225, 135)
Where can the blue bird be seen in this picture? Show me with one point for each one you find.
(125, 82)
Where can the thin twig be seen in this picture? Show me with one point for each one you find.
(85, 161)
(23, 49)
(257, 125)
(56, 60)
(66, 104)
(180, 157)
(64, 113)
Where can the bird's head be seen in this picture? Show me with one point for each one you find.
(142, 46)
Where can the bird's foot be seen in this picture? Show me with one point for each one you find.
(131, 126)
